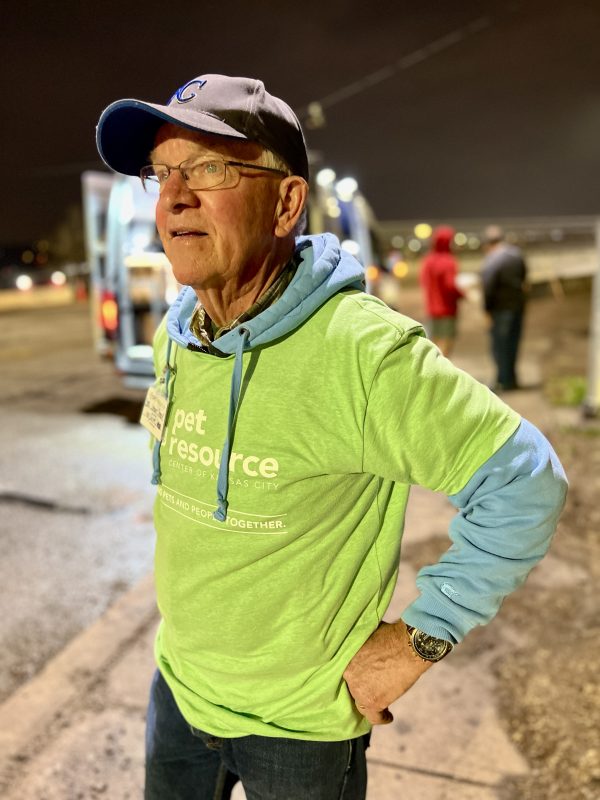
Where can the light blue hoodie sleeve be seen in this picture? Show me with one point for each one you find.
(507, 515)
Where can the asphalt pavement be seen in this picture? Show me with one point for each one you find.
(75, 731)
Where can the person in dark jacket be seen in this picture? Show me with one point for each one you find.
(438, 279)
(504, 275)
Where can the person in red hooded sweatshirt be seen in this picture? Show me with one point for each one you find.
(438, 279)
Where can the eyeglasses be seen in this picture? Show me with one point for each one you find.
(200, 173)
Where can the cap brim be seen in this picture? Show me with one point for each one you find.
(127, 130)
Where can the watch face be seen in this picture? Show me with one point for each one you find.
(430, 647)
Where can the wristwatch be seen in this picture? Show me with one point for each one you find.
(427, 647)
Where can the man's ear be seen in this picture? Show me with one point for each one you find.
(293, 193)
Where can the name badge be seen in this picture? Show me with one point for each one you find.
(154, 412)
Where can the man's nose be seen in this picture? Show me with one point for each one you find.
(176, 192)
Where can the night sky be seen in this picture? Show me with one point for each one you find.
(505, 122)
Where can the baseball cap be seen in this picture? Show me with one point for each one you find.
(239, 108)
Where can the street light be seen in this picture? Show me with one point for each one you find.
(325, 177)
(346, 188)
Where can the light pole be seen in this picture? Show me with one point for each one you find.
(591, 404)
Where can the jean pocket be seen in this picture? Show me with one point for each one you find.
(212, 742)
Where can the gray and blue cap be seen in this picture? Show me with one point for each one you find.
(239, 108)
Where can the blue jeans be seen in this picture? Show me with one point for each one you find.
(183, 763)
(506, 334)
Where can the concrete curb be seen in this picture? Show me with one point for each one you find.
(29, 713)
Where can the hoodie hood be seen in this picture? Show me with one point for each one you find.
(442, 239)
(324, 269)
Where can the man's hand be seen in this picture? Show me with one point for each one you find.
(384, 668)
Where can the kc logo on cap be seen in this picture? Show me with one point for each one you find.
(179, 94)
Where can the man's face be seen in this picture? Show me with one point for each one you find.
(221, 235)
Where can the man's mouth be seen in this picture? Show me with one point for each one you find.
(185, 232)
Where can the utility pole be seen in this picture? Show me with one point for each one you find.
(313, 115)
(591, 405)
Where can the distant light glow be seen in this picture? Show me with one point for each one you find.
(351, 246)
(24, 283)
(27, 257)
(346, 188)
(414, 245)
(400, 269)
(473, 243)
(460, 239)
(371, 273)
(423, 230)
(398, 241)
(58, 278)
(333, 208)
(325, 177)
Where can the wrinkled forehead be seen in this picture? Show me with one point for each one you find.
(196, 144)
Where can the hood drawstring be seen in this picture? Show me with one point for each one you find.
(323, 270)
(236, 381)
(157, 444)
(220, 513)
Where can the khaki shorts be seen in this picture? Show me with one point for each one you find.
(442, 328)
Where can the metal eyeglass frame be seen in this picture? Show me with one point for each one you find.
(192, 162)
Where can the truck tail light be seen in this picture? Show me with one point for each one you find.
(109, 313)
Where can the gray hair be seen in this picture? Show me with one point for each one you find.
(272, 160)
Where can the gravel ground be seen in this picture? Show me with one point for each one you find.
(549, 691)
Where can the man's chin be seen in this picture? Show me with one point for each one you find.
(197, 279)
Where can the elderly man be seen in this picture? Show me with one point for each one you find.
(291, 414)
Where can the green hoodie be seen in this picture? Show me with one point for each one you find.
(339, 410)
